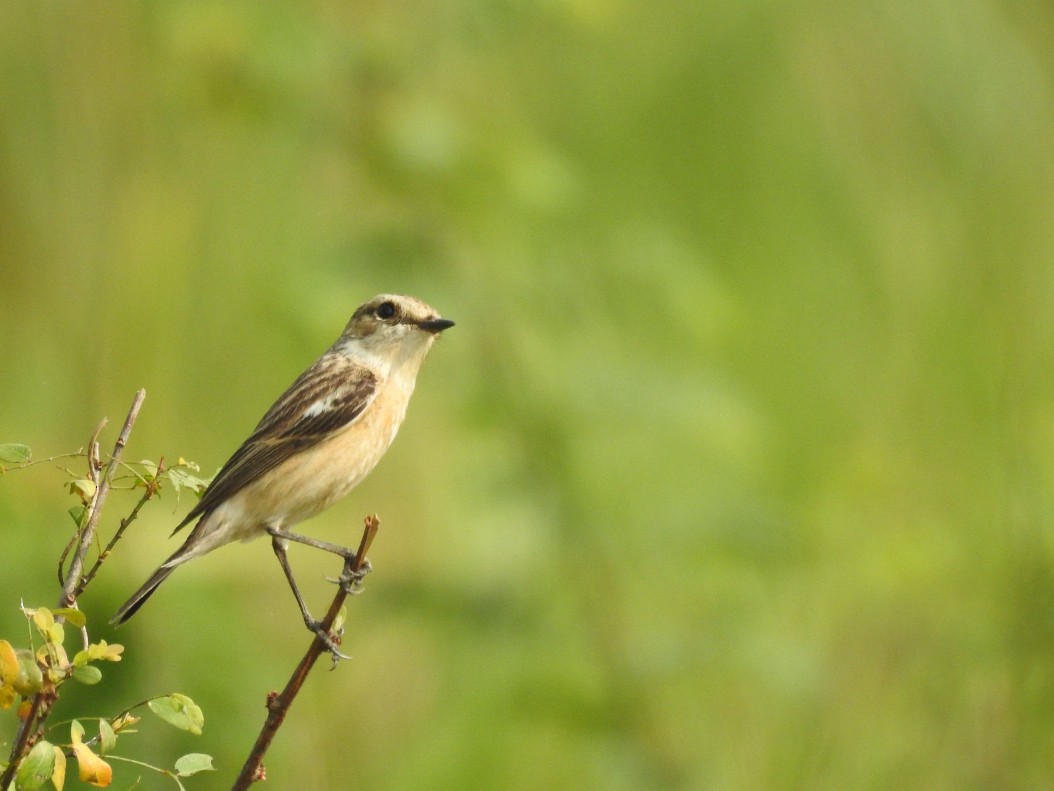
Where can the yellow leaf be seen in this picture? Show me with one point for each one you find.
(93, 769)
(56, 634)
(8, 663)
(84, 489)
(76, 618)
(102, 650)
(124, 722)
(44, 620)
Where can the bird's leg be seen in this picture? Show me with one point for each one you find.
(350, 580)
(278, 543)
(325, 546)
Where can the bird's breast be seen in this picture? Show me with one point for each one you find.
(340, 463)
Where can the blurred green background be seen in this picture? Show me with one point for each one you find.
(736, 471)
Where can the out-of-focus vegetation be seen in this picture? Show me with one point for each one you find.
(737, 469)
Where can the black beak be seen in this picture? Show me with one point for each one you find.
(435, 326)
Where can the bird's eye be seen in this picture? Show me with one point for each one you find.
(386, 310)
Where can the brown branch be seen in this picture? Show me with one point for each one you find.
(40, 709)
(278, 703)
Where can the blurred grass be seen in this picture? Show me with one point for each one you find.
(736, 470)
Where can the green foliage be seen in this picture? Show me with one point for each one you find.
(183, 475)
(34, 676)
(25, 672)
(13, 453)
(192, 763)
(179, 711)
(38, 767)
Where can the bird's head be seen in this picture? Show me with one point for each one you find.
(393, 328)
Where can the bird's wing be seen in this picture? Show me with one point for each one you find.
(327, 397)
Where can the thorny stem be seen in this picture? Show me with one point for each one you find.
(40, 708)
(278, 704)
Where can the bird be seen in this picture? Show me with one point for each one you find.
(322, 436)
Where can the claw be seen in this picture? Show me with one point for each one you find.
(351, 581)
(327, 639)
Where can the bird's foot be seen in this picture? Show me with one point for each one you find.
(350, 581)
(329, 640)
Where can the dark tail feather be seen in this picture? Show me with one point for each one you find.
(129, 608)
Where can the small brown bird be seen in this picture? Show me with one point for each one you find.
(319, 439)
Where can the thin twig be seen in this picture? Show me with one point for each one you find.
(278, 704)
(75, 454)
(65, 554)
(94, 467)
(40, 708)
(151, 489)
(68, 597)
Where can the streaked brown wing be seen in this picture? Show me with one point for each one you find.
(327, 397)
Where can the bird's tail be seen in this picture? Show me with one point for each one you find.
(191, 548)
(129, 608)
(203, 538)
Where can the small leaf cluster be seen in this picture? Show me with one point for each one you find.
(41, 670)
(147, 474)
(27, 671)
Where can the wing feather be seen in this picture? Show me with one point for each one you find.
(327, 397)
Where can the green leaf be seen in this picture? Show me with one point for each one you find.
(14, 453)
(36, 768)
(338, 622)
(87, 674)
(148, 473)
(184, 480)
(192, 763)
(107, 738)
(30, 678)
(180, 711)
(77, 512)
(74, 618)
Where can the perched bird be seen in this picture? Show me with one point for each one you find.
(319, 439)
